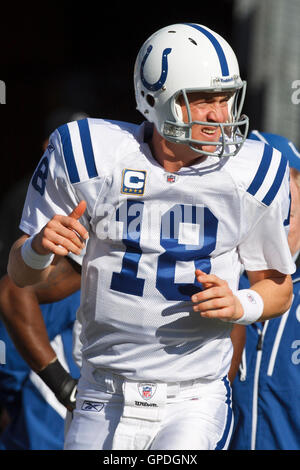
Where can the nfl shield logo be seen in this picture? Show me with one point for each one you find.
(147, 390)
(171, 178)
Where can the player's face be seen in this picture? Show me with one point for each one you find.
(210, 108)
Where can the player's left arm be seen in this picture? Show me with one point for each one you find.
(217, 300)
(276, 290)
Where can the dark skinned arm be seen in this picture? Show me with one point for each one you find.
(21, 314)
(238, 338)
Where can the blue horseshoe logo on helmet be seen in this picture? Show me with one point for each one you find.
(164, 70)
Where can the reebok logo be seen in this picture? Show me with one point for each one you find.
(95, 406)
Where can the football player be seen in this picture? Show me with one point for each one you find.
(174, 209)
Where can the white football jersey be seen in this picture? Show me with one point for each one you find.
(148, 232)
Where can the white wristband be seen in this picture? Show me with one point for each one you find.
(32, 258)
(252, 304)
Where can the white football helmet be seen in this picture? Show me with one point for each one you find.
(184, 58)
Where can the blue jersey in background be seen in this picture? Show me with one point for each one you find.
(37, 418)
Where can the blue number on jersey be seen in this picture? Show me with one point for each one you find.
(131, 214)
(179, 252)
(40, 176)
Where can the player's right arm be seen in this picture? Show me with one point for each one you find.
(51, 214)
(61, 235)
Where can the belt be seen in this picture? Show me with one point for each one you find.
(112, 383)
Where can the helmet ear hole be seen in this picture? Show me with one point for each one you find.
(150, 100)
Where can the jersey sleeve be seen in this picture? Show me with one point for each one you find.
(265, 245)
(50, 191)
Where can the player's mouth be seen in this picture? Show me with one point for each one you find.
(211, 133)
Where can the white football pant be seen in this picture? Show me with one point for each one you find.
(116, 414)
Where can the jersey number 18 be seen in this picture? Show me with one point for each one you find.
(127, 280)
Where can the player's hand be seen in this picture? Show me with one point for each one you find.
(217, 299)
(67, 393)
(62, 234)
(62, 384)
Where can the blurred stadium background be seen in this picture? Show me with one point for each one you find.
(79, 57)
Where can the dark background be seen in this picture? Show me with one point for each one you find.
(79, 56)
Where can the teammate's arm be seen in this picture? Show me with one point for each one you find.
(217, 300)
(61, 235)
(21, 314)
(238, 338)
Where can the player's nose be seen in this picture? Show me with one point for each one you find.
(214, 114)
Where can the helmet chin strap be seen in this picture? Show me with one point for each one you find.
(219, 147)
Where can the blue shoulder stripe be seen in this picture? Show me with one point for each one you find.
(276, 183)
(217, 46)
(68, 153)
(87, 147)
(262, 170)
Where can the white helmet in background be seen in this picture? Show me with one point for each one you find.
(184, 58)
